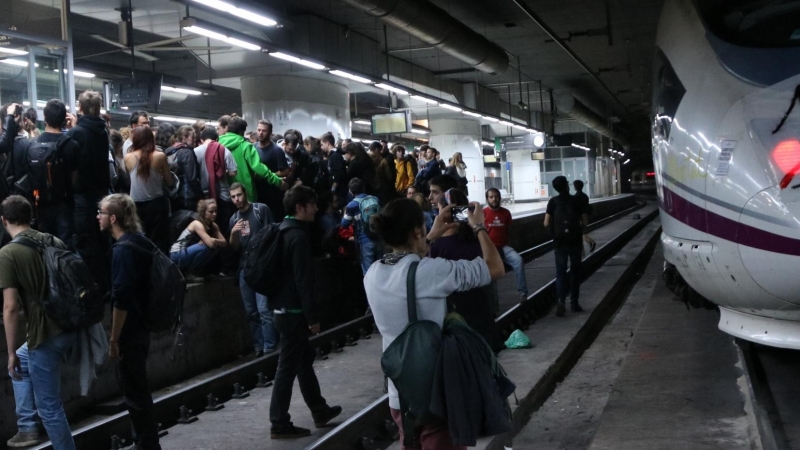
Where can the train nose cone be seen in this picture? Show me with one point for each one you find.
(769, 243)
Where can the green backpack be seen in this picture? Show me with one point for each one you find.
(410, 362)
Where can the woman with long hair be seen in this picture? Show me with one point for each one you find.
(164, 134)
(199, 241)
(120, 178)
(360, 165)
(458, 170)
(149, 170)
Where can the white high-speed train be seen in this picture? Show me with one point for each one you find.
(726, 150)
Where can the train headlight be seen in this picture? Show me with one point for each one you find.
(787, 155)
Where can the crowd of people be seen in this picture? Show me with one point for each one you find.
(199, 194)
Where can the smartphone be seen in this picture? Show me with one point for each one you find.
(459, 213)
(18, 111)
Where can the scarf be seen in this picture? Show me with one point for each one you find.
(215, 164)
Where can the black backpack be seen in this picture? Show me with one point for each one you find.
(164, 305)
(262, 264)
(45, 179)
(567, 227)
(178, 222)
(72, 298)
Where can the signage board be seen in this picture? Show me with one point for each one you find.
(399, 122)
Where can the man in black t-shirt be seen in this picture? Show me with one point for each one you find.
(584, 201)
(567, 219)
(272, 156)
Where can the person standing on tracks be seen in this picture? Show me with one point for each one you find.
(296, 319)
(567, 219)
(498, 222)
(584, 200)
(129, 343)
(35, 367)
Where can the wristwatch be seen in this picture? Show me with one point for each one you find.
(477, 228)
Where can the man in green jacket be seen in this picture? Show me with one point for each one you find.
(247, 159)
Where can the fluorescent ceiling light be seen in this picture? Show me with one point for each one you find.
(519, 127)
(239, 12)
(419, 131)
(350, 76)
(581, 147)
(12, 51)
(221, 37)
(538, 140)
(362, 122)
(38, 103)
(450, 107)
(181, 90)
(391, 88)
(16, 62)
(626, 162)
(176, 119)
(487, 144)
(425, 99)
(355, 139)
(297, 60)
(490, 119)
(612, 157)
(470, 113)
(507, 123)
(78, 73)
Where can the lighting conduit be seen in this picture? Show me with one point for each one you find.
(433, 26)
(580, 112)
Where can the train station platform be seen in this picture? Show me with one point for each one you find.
(519, 210)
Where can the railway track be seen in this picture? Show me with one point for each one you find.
(358, 431)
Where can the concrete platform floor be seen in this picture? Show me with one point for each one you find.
(352, 379)
(525, 209)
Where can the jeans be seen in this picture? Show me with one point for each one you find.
(89, 241)
(134, 348)
(296, 360)
(573, 285)
(194, 258)
(369, 251)
(155, 221)
(39, 391)
(56, 219)
(259, 316)
(512, 258)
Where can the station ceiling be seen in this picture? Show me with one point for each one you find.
(614, 38)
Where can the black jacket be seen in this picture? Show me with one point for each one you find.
(183, 162)
(469, 387)
(303, 168)
(337, 169)
(91, 135)
(364, 169)
(297, 275)
(10, 130)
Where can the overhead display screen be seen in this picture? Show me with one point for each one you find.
(399, 122)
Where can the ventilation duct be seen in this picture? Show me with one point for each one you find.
(432, 25)
(568, 105)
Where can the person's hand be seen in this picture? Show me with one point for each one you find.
(237, 227)
(475, 217)
(12, 108)
(113, 351)
(284, 186)
(314, 329)
(442, 223)
(14, 366)
(70, 121)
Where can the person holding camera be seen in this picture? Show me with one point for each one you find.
(14, 144)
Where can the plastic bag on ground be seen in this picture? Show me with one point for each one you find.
(518, 339)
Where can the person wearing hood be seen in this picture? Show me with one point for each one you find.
(247, 159)
(183, 162)
(91, 183)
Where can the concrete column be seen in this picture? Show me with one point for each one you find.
(310, 105)
(461, 135)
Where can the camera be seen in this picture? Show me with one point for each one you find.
(18, 111)
(459, 213)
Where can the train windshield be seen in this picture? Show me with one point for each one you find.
(753, 23)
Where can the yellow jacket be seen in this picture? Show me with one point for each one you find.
(405, 175)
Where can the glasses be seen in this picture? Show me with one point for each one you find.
(100, 212)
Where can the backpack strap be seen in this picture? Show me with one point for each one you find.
(411, 292)
(28, 242)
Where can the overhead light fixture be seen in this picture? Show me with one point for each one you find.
(38, 103)
(16, 62)
(519, 127)
(239, 12)
(538, 140)
(13, 51)
(507, 123)
(425, 99)
(487, 144)
(626, 162)
(181, 90)
(611, 157)
(221, 37)
(470, 113)
(350, 76)
(581, 147)
(451, 107)
(185, 120)
(355, 139)
(419, 131)
(78, 73)
(362, 122)
(391, 88)
(490, 119)
(297, 60)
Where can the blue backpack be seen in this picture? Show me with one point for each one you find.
(367, 207)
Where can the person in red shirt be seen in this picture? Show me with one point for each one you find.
(498, 221)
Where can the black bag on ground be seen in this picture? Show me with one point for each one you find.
(71, 296)
(262, 264)
(164, 305)
(410, 362)
(567, 227)
(178, 222)
(45, 174)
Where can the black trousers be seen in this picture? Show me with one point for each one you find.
(134, 348)
(155, 221)
(296, 360)
(89, 241)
